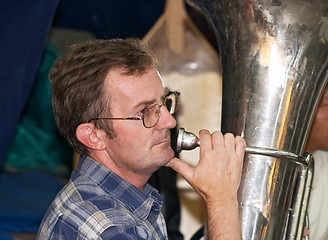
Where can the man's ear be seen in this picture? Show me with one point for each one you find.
(90, 136)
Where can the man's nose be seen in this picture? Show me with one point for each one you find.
(166, 119)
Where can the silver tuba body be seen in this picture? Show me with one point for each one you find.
(274, 56)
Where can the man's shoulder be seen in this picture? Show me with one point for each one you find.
(86, 199)
(86, 224)
(108, 213)
(78, 216)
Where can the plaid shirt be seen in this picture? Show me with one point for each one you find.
(98, 204)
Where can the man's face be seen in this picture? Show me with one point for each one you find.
(318, 137)
(137, 150)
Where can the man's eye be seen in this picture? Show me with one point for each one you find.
(142, 112)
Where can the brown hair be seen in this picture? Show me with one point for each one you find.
(77, 81)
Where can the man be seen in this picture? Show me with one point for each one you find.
(317, 145)
(111, 105)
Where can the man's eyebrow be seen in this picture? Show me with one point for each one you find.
(144, 103)
(149, 102)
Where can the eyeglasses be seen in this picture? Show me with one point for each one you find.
(150, 116)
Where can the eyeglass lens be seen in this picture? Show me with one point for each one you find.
(151, 116)
(169, 103)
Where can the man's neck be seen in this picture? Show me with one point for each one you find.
(138, 180)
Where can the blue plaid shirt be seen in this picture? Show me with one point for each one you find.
(98, 204)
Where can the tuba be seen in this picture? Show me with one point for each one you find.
(274, 56)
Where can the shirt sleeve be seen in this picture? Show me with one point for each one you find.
(126, 232)
(64, 230)
(59, 231)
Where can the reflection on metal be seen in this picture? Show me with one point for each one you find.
(274, 58)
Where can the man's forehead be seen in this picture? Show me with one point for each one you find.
(140, 89)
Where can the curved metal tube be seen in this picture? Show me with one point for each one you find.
(188, 141)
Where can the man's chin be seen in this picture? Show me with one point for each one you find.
(171, 155)
(167, 156)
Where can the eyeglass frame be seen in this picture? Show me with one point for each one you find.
(176, 93)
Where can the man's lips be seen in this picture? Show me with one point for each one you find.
(167, 140)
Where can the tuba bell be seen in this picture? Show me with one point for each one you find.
(274, 58)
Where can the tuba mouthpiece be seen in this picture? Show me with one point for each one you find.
(186, 140)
